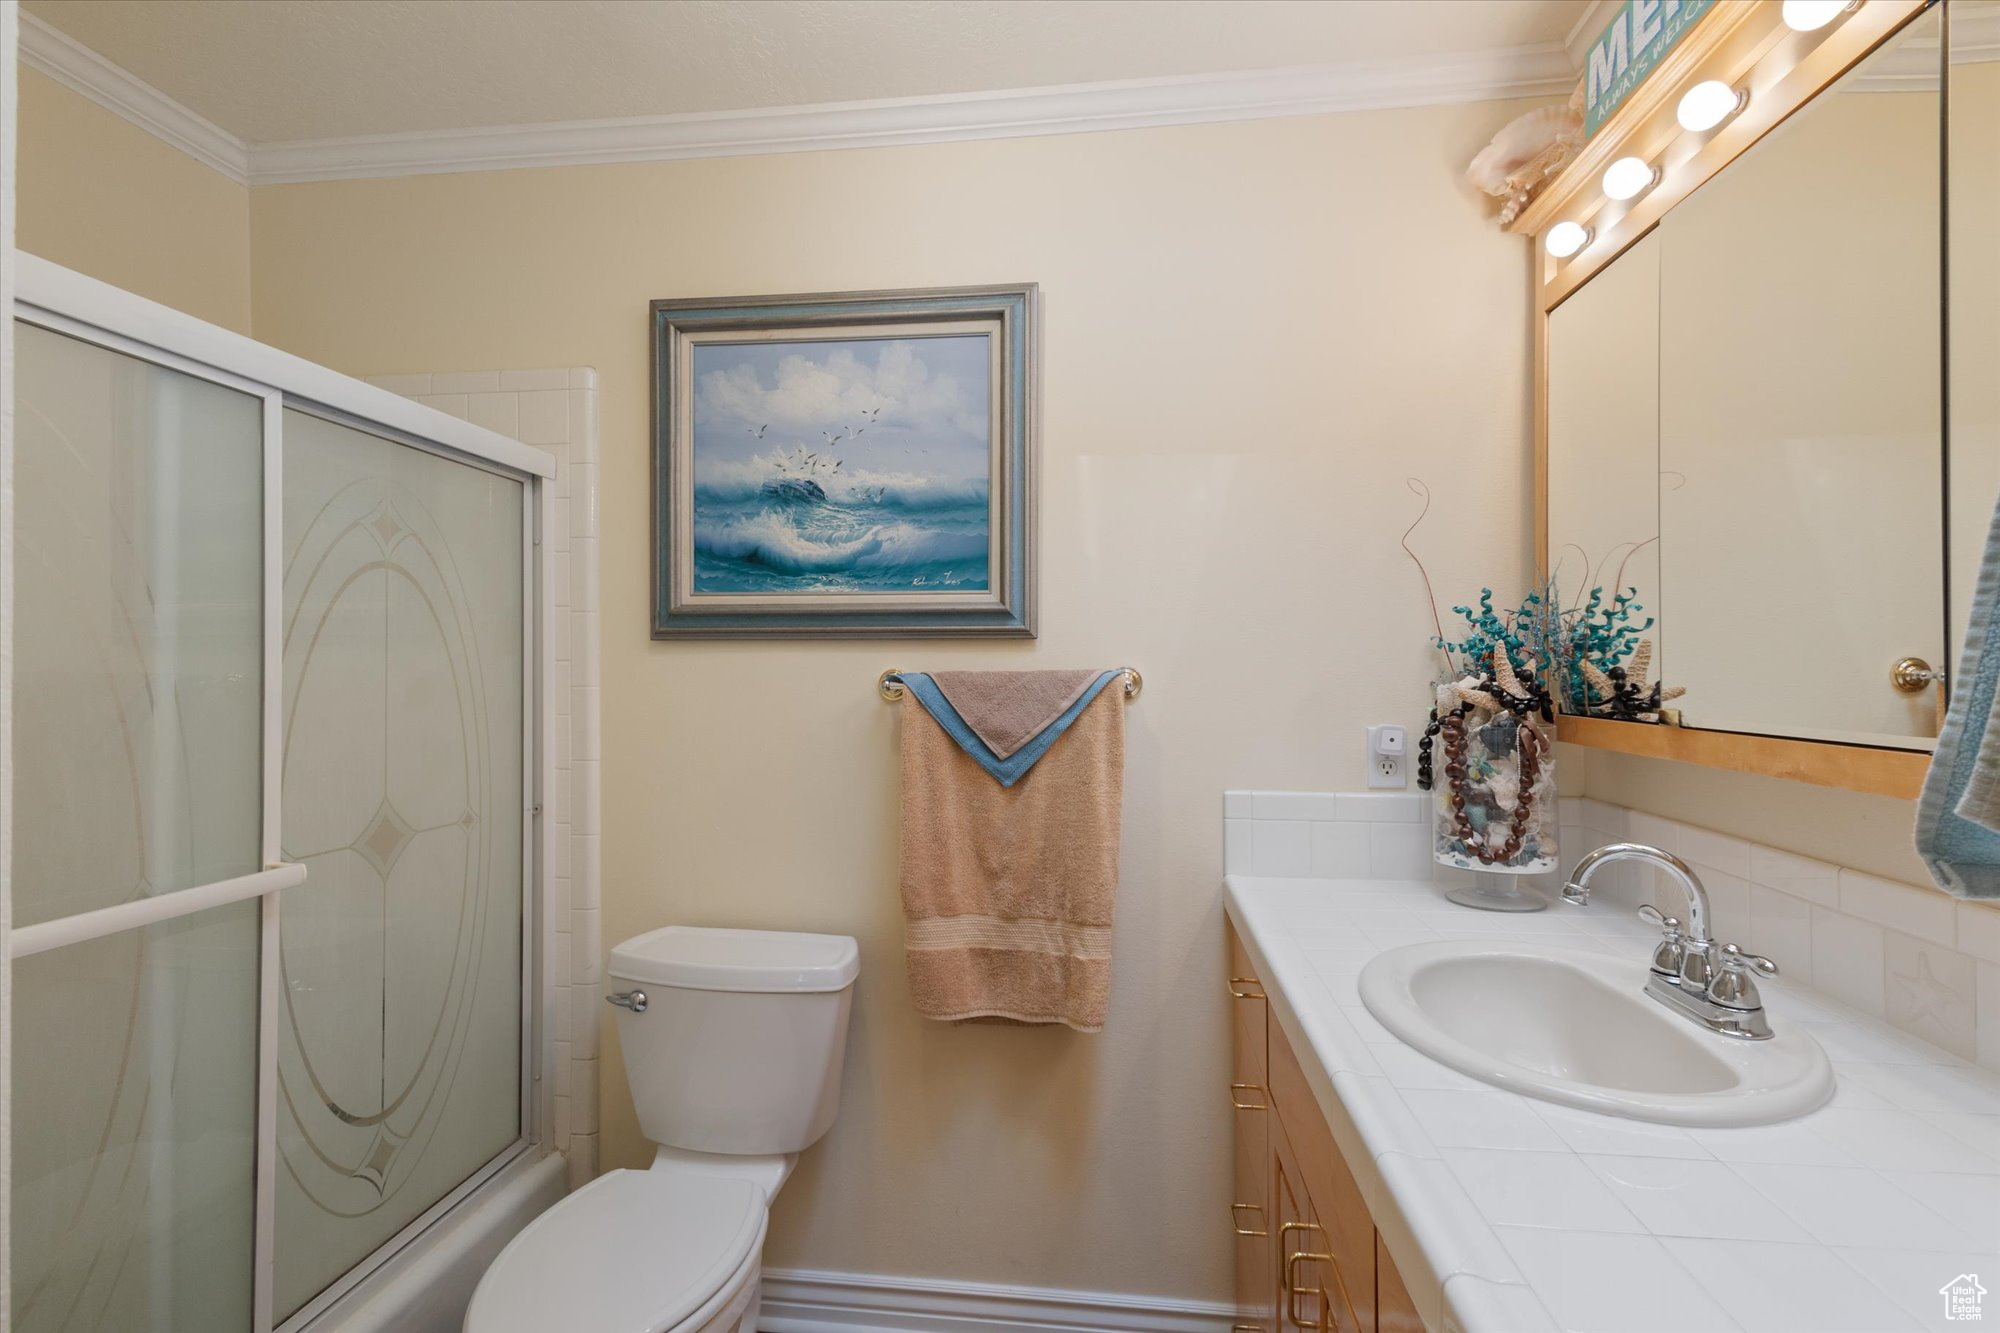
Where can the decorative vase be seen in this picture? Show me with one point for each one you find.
(1495, 801)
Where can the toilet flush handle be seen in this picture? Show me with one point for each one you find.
(635, 1000)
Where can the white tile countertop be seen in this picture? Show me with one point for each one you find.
(1507, 1213)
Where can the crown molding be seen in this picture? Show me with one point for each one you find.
(1076, 109)
(123, 93)
(1975, 36)
(1588, 26)
(1527, 71)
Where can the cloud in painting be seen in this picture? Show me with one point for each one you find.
(918, 385)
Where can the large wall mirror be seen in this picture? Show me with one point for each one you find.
(1775, 414)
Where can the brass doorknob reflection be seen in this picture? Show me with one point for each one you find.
(1913, 675)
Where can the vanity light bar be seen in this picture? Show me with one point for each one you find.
(1702, 107)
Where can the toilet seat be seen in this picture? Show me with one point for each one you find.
(631, 1252)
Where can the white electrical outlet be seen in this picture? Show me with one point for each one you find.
(1388, 747)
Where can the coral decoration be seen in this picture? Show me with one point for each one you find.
(1594, 659)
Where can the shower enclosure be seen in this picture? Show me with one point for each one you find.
(276, 860)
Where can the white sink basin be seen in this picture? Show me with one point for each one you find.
(1577, 1028)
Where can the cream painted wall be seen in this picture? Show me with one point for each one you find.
(1254, 332)
(102, 196)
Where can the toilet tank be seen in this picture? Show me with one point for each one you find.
(740, 1045)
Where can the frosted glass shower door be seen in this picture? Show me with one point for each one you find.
(400, 1045)
(135, 739)
(274, 848)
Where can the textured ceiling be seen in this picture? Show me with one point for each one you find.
(307, 69)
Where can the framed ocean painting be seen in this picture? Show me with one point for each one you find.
(858, 465)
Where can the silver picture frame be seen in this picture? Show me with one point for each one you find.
(751, 556)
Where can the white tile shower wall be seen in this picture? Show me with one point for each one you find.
(556, 410)
(1906, 954)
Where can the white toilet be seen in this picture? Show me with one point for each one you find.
(733, 1042)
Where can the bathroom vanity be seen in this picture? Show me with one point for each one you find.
(1307, 1251)
(1377, 1189)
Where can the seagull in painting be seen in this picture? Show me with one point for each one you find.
(759, 432)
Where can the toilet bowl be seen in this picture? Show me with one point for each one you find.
(733, 1042)
(645, 1251)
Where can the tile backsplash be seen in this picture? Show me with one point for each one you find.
(1330, 835)
(1910, 955)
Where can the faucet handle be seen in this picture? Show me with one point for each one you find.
(1670, 954)
(1734, 986)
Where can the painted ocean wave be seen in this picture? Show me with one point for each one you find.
(766, 543)
(893, 490)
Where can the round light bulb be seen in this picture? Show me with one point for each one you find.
(1707, 105)
(1566, 238)
(1811, 15)
(1628, 176)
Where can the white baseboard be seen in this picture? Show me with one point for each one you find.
(801, 1301)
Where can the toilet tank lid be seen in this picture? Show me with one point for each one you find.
(769, 961)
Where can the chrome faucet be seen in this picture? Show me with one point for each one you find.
(1709, 984)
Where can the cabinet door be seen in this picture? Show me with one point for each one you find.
(1324, 1181)
(1395, 1312)
(1251, 1210)
(1312, 1294)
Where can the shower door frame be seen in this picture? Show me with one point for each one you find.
(73, 305)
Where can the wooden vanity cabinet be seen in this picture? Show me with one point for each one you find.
(1252, 1207)
(1319, 1265)
(1395, 1312)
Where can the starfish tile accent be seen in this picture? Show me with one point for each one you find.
(1931, 1000)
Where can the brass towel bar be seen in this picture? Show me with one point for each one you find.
(890, 686)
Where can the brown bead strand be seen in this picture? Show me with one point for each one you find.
(1453, 733)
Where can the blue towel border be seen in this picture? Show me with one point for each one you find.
(1964, 857)
(1010, 770)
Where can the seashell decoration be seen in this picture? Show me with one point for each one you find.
(1622, 692)
(1527, 151)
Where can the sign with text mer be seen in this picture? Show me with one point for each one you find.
(1638, 38)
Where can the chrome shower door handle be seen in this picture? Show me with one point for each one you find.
(635, 1000)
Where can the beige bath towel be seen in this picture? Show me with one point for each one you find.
(1007, 709)
(1009, 891)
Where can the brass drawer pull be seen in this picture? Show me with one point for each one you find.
(1238, 1227)
(1237, 983)
(1293, 1291)
(1292, 1288)
(1263, 1102)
